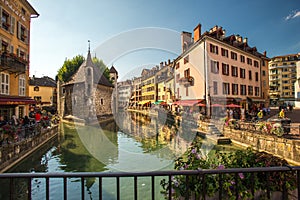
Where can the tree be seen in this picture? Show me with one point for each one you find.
(69, 67)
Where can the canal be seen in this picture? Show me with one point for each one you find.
(131, 142)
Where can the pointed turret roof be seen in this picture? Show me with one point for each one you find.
(113, 70)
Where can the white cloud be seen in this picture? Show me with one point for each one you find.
(293, 15)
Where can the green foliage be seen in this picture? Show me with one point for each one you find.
(103, 68)
(231, 182)
(69, 67)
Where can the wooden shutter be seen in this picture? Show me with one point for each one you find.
(11, 49)
(26, 36)
(0, 44)
(12, 24)
(18, 52)
(19, 30)
(0, 16)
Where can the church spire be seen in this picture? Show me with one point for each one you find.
(89, 61)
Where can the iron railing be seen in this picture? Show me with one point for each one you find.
(168, 175)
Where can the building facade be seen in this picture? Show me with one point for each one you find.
(88, 93)
(283, 76)
(297, 86)
(124, 94)
(149, 86)
(15, 49)
(43, 91)
(219, 69)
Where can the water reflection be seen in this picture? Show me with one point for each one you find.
(134, 142)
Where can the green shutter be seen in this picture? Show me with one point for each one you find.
(12, 24)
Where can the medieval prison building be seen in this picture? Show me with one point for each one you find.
(87, 95)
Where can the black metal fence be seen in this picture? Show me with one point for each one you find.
(12, 178)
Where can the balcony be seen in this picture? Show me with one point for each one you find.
(186, 81)
(12, 63)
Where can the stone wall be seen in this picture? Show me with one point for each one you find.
(13, 153)
(288, 149)
(104, 107)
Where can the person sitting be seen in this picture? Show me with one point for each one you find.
(281, 114)
(260, 115)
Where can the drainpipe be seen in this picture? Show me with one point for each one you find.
(206, 83)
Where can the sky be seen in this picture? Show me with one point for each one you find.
(136, 34)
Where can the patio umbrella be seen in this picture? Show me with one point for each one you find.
(233, 106)
(216, 105)
(200, 104)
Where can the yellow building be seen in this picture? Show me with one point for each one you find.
(43, 91)
(283, 75)
(15, 47)
(149, 94)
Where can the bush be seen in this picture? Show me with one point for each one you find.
(195, 160)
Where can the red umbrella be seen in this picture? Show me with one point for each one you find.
(233, 106)
(216, 105)
(201, 104)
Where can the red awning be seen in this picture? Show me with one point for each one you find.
(187, 102)
(12, 100)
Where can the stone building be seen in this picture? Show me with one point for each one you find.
(87, 95)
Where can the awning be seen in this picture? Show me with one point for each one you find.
(257, 100)
(187, 102)
(13, 100)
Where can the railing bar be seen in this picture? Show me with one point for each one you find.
(65, 188)
(298, 182)
(47, 188)
(187, 187)
(170, 187)
(82, 188)
(100, 188)
(284, 190)
(220, 186)
(135, 187)
(29, 188)
(118, 188)
(11, 189)
(268, 186)
(236, 186)
(204, 187)
(252, 184)
(153, 187)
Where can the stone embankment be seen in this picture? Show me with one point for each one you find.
(11, 154)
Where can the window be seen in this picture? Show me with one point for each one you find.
(250, 75)
(22, 86)
(256, 63)
(256, 76)
(101, 101)
(178, 93)
(243, 90)
(224, 52)
(177, 65)
(233, 55)
(186, 59)
(242, 58)
(214, 67)
(264, 73)
(256, 91)
(225, 69)
(187, 73)
(186, 91)
(242, 73)
(177, 77)
(215, 85)
(214, 49)
(5, 20)
(234, 71)
(250, 90)
(226, 89)
(235, 89)
(249, 61)
(4, 83)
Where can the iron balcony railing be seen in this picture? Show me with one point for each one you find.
(168, 175)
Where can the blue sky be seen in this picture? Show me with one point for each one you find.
(64, 27)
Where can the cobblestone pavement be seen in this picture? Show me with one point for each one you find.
(293, 115)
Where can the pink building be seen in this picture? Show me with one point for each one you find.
(219, 69)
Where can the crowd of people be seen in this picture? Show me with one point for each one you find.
(17, 129)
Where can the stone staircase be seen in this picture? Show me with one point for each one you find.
(213, 130)
(215, 134)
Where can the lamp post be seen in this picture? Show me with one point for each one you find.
(208, 104)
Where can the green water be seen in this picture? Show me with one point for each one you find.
(133, 143)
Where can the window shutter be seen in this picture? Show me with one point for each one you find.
(0, 44)
(27, 36)
(11, 49)
(19, 30)
(12, 24)
(0, 16)
(18, 52)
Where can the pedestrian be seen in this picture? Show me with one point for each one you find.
(260, 115)
(38, 116)
(2, 121)
(268, 111)
(281, 114)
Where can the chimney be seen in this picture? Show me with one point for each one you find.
(245, 40)
(197, 33)
(169, 61)
(265, 53)
(186, 40)
(161, 64)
